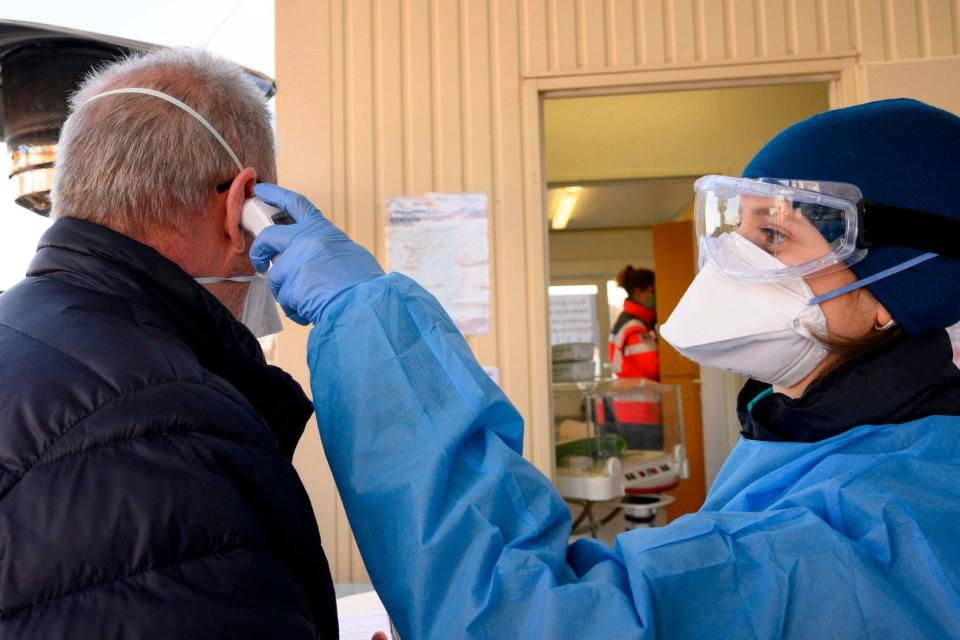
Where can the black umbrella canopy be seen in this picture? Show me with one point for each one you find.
(39, 66)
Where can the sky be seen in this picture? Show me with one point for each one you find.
(241, 30)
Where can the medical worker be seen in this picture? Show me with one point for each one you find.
(633, 337)
(829, 272)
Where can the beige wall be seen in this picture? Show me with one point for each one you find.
(382, 97)
(936, 81)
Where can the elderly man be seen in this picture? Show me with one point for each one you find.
(146, 488)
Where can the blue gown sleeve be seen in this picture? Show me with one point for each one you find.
(463, 538)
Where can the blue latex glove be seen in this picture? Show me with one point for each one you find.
(317, 260)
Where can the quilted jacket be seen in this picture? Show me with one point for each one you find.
(146, 487)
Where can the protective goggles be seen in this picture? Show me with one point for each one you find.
(804, 227)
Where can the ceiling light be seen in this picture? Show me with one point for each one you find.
(564, 210)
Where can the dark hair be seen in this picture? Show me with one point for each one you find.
(631, 279)
(849, 350)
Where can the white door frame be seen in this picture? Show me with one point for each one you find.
(841, 71)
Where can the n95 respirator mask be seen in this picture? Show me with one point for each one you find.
(259, 313)
(765, 330)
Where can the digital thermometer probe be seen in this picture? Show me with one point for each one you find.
(257, 215)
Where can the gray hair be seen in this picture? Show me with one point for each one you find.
(131, 161)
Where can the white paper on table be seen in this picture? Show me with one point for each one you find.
(363, 627)
(954, 333)
(441, 241)
(361, 616)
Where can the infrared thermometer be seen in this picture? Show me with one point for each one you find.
(257, 215)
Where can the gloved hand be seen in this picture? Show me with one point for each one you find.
(317, 261)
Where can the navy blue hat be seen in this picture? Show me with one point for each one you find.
(899, 152)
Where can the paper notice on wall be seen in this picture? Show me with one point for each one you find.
(441, 241)
(494, 373)
(573, 318)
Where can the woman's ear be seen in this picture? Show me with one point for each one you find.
(240, 190)
(883, 320)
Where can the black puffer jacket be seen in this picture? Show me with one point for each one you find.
(146, 489)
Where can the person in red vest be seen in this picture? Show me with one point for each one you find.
(633, 341)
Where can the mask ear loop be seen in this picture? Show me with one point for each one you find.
(216, 279)
(886, 273)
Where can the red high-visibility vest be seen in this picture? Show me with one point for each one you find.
(633, 343)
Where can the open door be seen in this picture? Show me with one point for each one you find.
(675, 257)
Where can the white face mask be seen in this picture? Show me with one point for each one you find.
(764, 330)
(260, 313)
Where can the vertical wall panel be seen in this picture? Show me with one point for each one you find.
(477, 97)
(562, 15)
(901, 16)
(591, 34)
(341, 559)
(871, 30)
(774, 28)
(360, 121)
(939, 27)
(835, 23)
(955, 11)
(507, 208)
(388, 58)
(684, 36)
(729, 29)
(417, 92)
(651, 28)
(621, 23)
(804, 27)
(711, 30)
(536, 51)
(338, 91)
(446, 91)
(743, 26)
(360, 167)
(923, 27)
(476, 106)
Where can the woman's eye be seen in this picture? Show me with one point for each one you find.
(773, 236)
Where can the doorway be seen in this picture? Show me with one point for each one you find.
(619, 174)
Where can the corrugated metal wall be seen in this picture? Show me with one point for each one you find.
(560, 36)
(385, 97)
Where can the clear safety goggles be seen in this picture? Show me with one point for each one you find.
(781, 229)
(806, 227)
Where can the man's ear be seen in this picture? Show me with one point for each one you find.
(240, 190)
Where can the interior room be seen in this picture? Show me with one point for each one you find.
(620, 171)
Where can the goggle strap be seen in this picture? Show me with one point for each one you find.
(903, 227)
(886, 273)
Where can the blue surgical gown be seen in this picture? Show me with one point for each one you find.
(857, 536)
